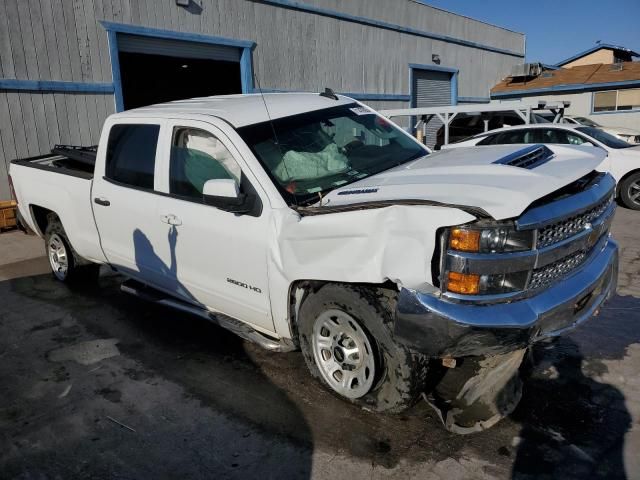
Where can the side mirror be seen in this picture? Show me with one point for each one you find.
(224, 194)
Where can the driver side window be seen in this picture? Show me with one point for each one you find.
(198, 156)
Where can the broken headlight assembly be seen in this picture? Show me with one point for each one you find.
(495, 239)
(466, 247)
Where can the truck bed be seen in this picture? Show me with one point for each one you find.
(65, 159)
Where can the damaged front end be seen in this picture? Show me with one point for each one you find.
(498, 298)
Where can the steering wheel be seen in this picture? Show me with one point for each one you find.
(353, 145)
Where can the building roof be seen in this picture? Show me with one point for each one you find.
(584, 77)
(600, 46)
(241, 110)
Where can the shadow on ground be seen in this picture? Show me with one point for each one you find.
(203, 402)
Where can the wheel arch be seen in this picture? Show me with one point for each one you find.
(40, 216)
(300, 289)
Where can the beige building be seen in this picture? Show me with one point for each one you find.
(602, 83)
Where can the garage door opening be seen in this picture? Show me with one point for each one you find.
(155, 70)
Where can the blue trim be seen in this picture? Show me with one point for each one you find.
(474, 100)
(246, 63)
(380, 97)
(635, 110)
(435, 68)
(454, 88)
(246, 70)
(174, 35)
(581, 87)
(600, 46)
(302, 7)
(54, 86)
(115, 69)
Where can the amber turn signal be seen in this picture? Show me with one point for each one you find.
(465, 283)
(464, 240)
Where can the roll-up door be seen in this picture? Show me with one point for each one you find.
(431, 89)
(177, 48)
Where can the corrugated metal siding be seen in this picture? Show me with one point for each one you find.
(176, 48)
(63, 40)
(431, 89)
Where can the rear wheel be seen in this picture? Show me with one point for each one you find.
(347, 342)
(65, 264)
(630, 191)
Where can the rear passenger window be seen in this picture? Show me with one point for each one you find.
(131, 154)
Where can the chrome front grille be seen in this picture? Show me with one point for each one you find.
(569, 227)
(548, 274)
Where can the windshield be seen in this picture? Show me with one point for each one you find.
(604, 137)
(587, 122)
(309, 154)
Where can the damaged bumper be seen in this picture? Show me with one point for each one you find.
(439, 327)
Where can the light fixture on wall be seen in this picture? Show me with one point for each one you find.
(435, 58)
(183, 3)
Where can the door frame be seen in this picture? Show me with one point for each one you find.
(246, 54)
(434, 68)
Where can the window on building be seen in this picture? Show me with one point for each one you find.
(629, 99)
(131, 154)
(198, 156)
(616, 100)
(605, 101)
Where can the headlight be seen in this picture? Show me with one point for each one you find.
(474, 284)
(486, 239)
(494, 239)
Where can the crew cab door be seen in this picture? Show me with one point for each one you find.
(221, 256)
(124, 199)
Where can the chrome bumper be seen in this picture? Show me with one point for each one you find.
(439, 327)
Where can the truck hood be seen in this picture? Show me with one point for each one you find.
(470, 177)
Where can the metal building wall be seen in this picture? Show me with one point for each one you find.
(297, 49)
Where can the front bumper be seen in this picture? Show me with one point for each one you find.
(439, 327)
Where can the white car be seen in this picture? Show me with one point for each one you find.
(622, 160)
(627, 134)
(318, 224)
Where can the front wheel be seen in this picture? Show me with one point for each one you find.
(347, 343)
(630, 191)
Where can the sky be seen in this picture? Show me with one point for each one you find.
(557, 29)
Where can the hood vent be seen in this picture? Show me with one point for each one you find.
(529, 157)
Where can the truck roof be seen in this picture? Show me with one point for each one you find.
(241, 110)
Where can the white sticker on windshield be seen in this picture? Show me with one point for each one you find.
(361, 111)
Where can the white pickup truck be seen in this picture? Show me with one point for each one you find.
(309, 221)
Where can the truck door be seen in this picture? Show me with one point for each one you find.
(125, 199)
(221, 257)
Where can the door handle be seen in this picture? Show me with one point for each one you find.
(102, 201)
(171, 219)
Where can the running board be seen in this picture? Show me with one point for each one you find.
(149, 294)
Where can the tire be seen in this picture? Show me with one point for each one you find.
(630, 191)
(66, 265)
(347, 342)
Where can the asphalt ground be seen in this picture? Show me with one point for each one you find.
(97, 384)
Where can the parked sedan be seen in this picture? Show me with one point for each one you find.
(627, 134)
(622, 161)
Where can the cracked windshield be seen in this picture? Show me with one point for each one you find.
(310, 154)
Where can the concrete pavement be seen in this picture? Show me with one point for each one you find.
(95, 384)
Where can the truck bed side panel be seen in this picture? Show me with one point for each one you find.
(68, 196)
